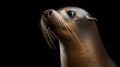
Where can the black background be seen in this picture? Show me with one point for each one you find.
(30, 48)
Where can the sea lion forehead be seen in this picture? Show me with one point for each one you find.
(79, 11)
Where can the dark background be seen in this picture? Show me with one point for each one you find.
(30, 48)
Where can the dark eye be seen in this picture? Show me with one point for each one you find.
(71, 13)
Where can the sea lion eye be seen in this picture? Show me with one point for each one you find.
(71, 13)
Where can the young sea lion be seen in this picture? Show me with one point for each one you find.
(78, 36)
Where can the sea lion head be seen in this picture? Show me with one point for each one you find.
(66, 24)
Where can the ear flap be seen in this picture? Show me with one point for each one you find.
(91, 18)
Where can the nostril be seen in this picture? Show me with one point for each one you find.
(49, 12)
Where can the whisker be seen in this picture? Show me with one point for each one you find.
(50, 40)
(47, 35)
(51, 35)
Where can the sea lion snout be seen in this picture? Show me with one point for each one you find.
(47, 12)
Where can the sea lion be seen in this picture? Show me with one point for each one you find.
(78, 36)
